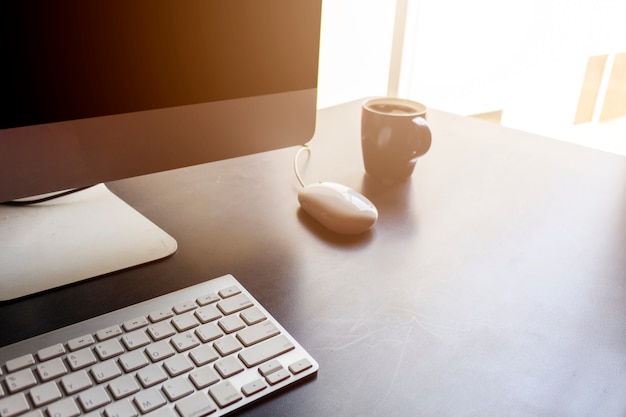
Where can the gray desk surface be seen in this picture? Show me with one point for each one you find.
(493, 284)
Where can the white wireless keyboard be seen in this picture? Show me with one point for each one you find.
(208, 349)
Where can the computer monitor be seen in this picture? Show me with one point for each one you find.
(99, 90)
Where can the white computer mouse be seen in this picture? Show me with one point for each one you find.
(338, 207)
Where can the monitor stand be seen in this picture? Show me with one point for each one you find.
(72, 238)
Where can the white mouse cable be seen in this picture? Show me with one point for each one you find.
(296, 159)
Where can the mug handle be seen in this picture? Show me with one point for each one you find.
(422, 138)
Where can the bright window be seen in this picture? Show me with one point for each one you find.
(525, 61)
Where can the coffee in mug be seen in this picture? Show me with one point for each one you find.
(394, 133)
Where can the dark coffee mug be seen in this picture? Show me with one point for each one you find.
(394, 133)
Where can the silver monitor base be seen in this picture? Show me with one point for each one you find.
(73, 238)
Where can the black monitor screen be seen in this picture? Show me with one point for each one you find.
(67, 60)
(98, 90)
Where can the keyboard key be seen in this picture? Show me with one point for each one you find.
(149, 400)
(35, 413)
(203, 377)
(229, 291)
(224, 394)
(185, 322)
(109, 349)
(64, 408)
(135, 339)
(123, 386)
(136, 323)
(20, 380)
(45, 393)
(51, 352)
(252, 316)
(234, 304)
(207, 299)
(163, 412)
(20, 363)
(266, 350)
(231, 324)
(207, 314)
(105, 371)
(81, 359)
(177, 365)
(185, 341)
(159, 351)
(93, 398)
(161, 330)
(227, 345)
(203, 355)
(120, 409)
(208, 332)
(269, 367)
(257, 333)
(80, 342)
(13, 405)
(199, 404)
(278, 376)
(160, 315)
(151, 375)
(300, 366)
(177, 388)
(228, 367)
(50, 370)
(253, 387)
(108, 333)
(185, 307)
(132, 361)
(75, 382)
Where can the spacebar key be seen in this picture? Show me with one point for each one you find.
(266, 350)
